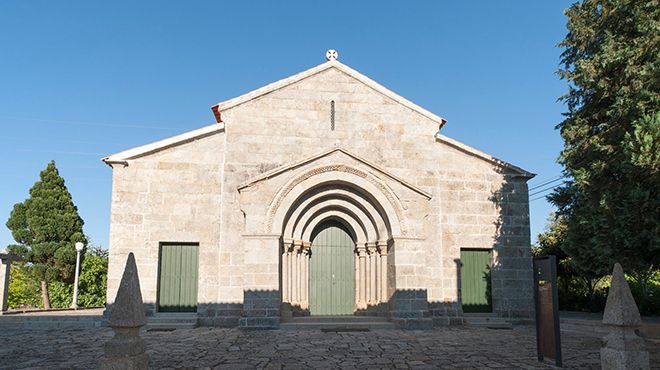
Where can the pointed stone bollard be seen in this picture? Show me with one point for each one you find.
(623, 348)
(126, 350)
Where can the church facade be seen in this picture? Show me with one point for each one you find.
(321, 194)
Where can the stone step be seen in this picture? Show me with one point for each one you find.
(50, 322)
(337, 323)
(170, 325)
(337, 319)
(158, 318)
(172, 321)
(338, 326)
(487, 321)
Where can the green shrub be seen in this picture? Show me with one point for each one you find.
(24, 291)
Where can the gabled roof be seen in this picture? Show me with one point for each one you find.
(122, 157)
(227, 104)
(294, 165)
(481, 155)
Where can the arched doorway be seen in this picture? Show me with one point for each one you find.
(332, 270)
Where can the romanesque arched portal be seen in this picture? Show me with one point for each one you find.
(355, 203)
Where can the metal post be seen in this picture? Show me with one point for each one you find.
(79, 248)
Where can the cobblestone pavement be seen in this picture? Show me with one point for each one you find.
(453, 347)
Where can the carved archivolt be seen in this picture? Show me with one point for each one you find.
(386, 192)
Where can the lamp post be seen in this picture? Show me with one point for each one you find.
(79, 248)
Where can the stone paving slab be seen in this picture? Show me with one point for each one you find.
(218, 348)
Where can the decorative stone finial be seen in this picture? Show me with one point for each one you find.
(128, 310)
(620, 309)
(126, 350)
(623, 348)
(331, 55)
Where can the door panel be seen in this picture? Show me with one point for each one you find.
(177, 282)
(475, 280)
(332, 271)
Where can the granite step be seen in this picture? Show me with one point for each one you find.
(486, 321)
(337, 323)
(172, 321)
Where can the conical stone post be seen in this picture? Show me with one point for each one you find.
(623, 348)
(126, 350)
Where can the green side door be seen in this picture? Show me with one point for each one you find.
(177, 278)
(475, 280)
(332, 271)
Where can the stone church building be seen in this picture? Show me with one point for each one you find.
(324, 193)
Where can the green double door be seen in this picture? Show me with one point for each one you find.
(475, 280)
(332, 271)
(177, 278)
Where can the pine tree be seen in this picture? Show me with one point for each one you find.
(611, 134)
(46, 226)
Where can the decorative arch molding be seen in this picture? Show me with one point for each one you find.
(335, 192)
(348, 208)
(350, 222)
(363, 181)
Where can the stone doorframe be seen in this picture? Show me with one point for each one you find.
(370, 275)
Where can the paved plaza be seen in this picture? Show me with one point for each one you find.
(452, 347)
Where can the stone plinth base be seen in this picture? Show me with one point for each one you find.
(137, 362)
(612, 359)
(126, 350)
(623, 349)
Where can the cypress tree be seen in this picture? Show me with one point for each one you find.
(611, 132)
(46, 227)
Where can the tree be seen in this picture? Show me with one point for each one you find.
(577, 287)
(611, 137)
(46, 226)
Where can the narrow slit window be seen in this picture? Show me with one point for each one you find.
(332, 115)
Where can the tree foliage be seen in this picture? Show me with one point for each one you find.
(46, 226)
(92, 284)
(611, 134)
(23, 288)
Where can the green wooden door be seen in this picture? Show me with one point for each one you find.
(475, 280)
(332, 271)
(177, 278)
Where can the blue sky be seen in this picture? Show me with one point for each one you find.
(82, 79)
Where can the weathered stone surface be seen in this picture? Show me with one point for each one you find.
(620, 309)
(126, 350)
(623, 348)
(220, 348)
(418, 198)
(128, 309)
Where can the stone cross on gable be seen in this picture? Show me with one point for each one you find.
(5, 259)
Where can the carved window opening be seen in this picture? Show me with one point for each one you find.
(332, 115)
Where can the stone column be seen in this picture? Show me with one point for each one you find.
(297, 249)
(382, 288)
(305, 275)
(623, 348)
(371, 272)
(289, 272)
(362, 268)
(376, 262)
(285, 271)
(126, 350)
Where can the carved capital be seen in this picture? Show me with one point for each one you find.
(371, 247)
(361, 250)
(382, 247)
